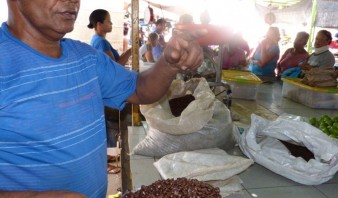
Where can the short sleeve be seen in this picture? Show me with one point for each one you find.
(116, 83)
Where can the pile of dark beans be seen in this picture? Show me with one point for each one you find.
(177, 105)
(179, 188)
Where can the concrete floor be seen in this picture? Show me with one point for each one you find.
(114, 183)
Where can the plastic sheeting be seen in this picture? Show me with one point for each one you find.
(327, 14)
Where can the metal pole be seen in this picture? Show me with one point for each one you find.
(136, 121)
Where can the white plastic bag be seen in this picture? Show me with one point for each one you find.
(218, 132)
(260, 142)
(213, 166)
(203, 165)
(197, 114)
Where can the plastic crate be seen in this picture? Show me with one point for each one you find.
(243, 84)
(314, 97)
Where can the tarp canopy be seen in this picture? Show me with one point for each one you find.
(285, 11)
(327, 14)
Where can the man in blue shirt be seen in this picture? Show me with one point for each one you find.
(52, 94)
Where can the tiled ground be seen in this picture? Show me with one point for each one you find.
(257, 180)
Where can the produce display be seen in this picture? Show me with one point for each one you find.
(181, 187)
(327, 124)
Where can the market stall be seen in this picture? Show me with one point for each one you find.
(266, 102)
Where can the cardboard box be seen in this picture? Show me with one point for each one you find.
(314, 97)
(244, 84)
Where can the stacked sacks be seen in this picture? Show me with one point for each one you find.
(320, 77)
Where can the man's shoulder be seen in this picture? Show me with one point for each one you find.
(2, 35)
(76, 44)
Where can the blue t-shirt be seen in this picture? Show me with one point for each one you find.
(52, 131)
(269, 68)
(101, 44)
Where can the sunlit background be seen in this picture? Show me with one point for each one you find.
(240, 15)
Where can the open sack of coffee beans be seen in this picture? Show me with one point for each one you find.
(204, 123)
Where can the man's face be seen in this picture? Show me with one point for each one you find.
(321, 40)
(161, 27)
(50, 17)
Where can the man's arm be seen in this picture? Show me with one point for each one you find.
(182, 53)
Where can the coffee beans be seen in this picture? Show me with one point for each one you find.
(177, 105)
(179, 188)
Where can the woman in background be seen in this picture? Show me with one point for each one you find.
(293, 57)
(100, 20)
(264, 59)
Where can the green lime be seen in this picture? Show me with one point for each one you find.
(326, 131)
(313, 121)
(334, 130)
(328, 120)
(325, 116)
(335, 119)
(323, 124)
(335, 124)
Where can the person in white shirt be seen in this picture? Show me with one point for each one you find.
(146, 49)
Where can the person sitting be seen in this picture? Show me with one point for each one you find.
(100, 20)
(234, 56)
(264, 59)
(146, 49)
(242, 44)
(322, 57)
(334, 45)
(186, 19)
(294, 56)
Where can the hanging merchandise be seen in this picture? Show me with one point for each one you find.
(270, 18)
(149, 15)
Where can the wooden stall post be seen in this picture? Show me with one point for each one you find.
(135, 38)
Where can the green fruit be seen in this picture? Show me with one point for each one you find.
(326, 131)
(334, 130)
(325, 116)
(328, 121)
(313, 121)
(335, 124)
(335, 119)
(323, 124)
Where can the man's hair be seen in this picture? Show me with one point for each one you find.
(152, 36)
(160, 21)
(327, 34)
